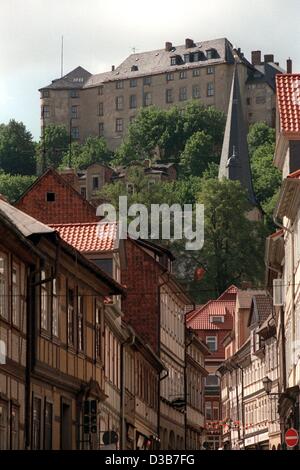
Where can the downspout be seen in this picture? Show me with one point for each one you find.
(185, 384)
(243, 408)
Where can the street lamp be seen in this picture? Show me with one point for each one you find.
(267, 383)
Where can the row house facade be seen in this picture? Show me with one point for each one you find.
(282, 253)
(249, 413)
(212, 322)
(106, 103)
(154, 307)
(57, 335)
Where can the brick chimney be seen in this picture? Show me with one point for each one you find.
(289, 66)
(189, 43)
(168, 46)
(269, 58)
(256, 57)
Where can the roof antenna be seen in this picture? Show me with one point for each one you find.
(62, 57)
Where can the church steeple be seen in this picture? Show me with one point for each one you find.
(235, 162)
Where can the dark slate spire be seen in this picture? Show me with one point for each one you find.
(235, 162)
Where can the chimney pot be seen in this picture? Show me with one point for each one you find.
(269, 58)
(289, 66)
(168, 46)
(112, 68)
(256, 57)
(189, 43)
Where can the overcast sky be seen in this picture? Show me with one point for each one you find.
(100, 33)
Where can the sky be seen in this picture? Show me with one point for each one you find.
(98, 34)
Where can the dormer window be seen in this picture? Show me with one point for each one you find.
(134, 68)
(188, 58)
(176, 60)
(211, 54)
(197, 56)
(217, 319)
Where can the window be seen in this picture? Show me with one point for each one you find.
(260, 100)
(50, 197)
(210, 70)
(211, 342)
(45, 111)
(45, 94)
(36, 423)
(248, 101)
(133, 83)
(147, 99)
(182, 74)
(75, 132)
(105, 264)
(210, 89)
(74, 94)
(196, 91)
(130, 188)
(147, 81)
(95, 183)
(100, 109)
(14, 423)
(83, 191)
(119, 125)
(16, 295)
(210, 54)
(101, 129)
(80, 309)
(217, 319)
(3, 426)
(74, 112)
(100, 90)
(174, 60)
(182, 93)
(119, 84)
(169, 96)
(55, 326)
(187, 58)
(44, 303)
(71, 317)
(3, 287)
(48, 417)
(216, 411)
(170, 76)
(212, 381)
(208, 410)
(132, 102)
(119, 103)
(196, 72)
(98, 331)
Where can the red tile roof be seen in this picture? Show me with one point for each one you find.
(229, 294)
(199, 319)
(295, 174)
(288, 99)
(90, 237)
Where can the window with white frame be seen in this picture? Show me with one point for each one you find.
(211, 342)
(44, 303)
(16, 294)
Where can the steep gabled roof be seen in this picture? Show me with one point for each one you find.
(33, 202)
(74, 79)
(90, 237)
(288, 100)
(261, 309)
(199, 319)
(235, 162)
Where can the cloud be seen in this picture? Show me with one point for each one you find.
(98, 34)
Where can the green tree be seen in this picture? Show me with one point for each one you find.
(17, 149)
(233, 248)
(53, 144)
(94, 150)
(13, 186)
(266, 177)
(260, 134)
(197, 154)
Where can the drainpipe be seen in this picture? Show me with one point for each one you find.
(243, 408)
(185, 384)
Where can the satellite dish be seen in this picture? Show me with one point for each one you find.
(110, 437)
